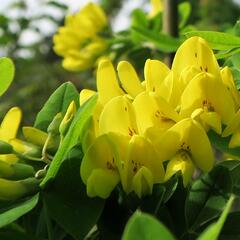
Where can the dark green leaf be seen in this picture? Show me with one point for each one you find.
(145, 227)
(233, 167)
(217, 40)
(212, 232)
(10, 234)
(207, 197)
(231, 228)
(17, 210)
(71, 139)
(221, 144)
(58, 102)
(66, 199)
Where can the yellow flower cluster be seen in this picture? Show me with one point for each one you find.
(78, 41)
(137, 125)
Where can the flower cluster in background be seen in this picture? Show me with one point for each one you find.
(79, 41)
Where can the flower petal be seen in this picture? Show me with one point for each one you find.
(101, 183)
(213, 120)
(129, 79)
(142, 182)
(99, 155)
(233, 125)
(85, 94)
(107, 83)
(183, 164)
(196, 52)
(10, 124)
(141, 153)
(118, 116)
(201, 150)
(235, 139)
(155, 72)
(205, 87)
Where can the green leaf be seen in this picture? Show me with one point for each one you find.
(221, 144)
(9, 234)
(145, 227)
(161, 41)
(233, 167)
(66, 199)
(217, 40)
(213, 231)
(6, 74)
(12, 213)
(231, 228)
(207, 197)
(58, 102)
(184, 10)
(227, 54)
(71, 139)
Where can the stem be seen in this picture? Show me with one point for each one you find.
(170, 23)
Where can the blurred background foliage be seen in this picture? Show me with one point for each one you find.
(38, 68)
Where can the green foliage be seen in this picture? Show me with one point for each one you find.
(57, 103)
(6, 74)
(12, 212)
(66, 199)
(145, 227)
(71, 139)
(218, 40)
(213, 231)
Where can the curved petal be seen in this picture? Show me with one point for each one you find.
(233, 125)
(235, 139)
(154, 73)
(142, 182)
(195, 52)
(228, 80)
(213, 120)
(200, 147)
(141, 153)
(152, 110)
(107, 83)
(180, 162)
(34, 135)
(129, 79)
(207, 92)
(85, 94)
(101, 183)
(187, 135)
(10, 124)
(118, 116)
(99, 155)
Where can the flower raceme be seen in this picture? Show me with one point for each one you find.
(139, 125)
(78, 41)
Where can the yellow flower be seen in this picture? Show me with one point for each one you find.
(157, 7)
(8, 131)
(113, 158)
(233, 128)
(136, 125)
(185, 144)
(206, 92)
(78, 41)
